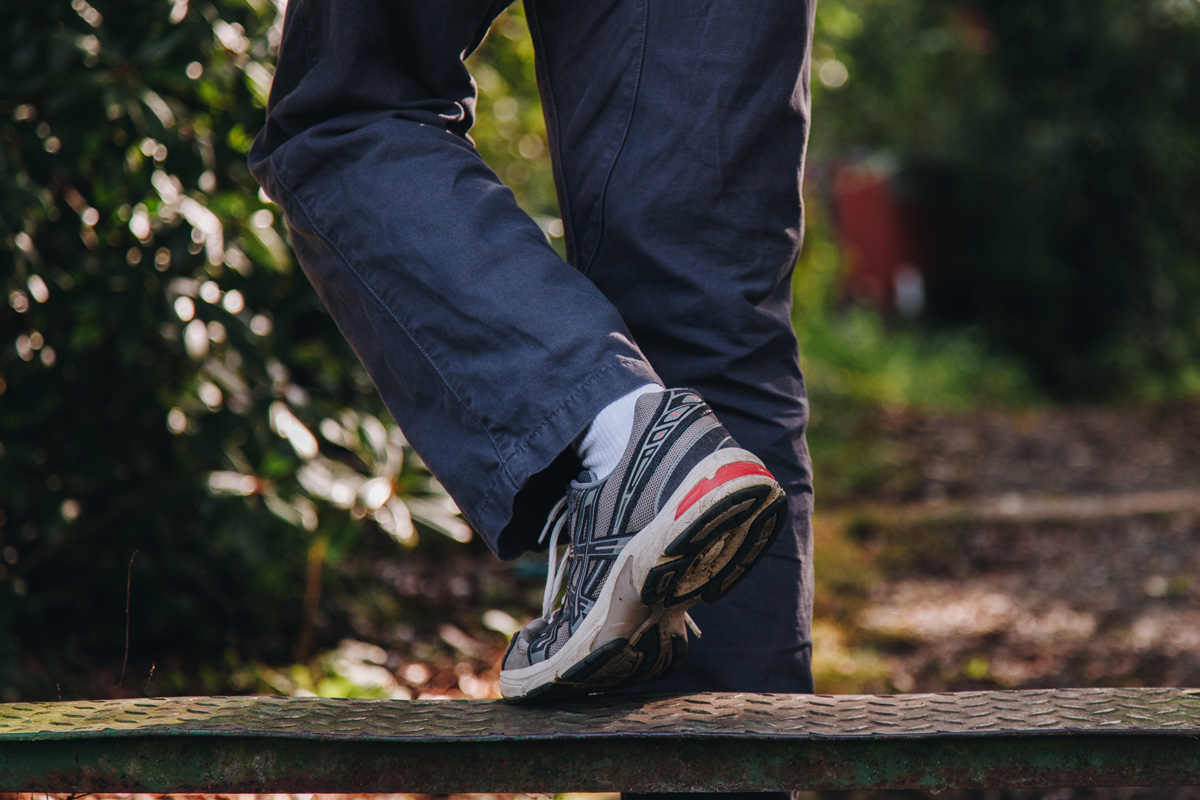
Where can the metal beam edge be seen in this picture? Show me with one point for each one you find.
(271, 765)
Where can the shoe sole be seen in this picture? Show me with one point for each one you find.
(717, 525)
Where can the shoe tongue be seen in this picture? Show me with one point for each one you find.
(583, 481)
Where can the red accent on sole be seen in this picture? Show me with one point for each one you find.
(723, 475)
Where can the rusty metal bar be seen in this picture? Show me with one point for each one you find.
(715, 742)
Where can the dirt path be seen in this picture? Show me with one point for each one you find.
(1063, 451)
(1019, 551)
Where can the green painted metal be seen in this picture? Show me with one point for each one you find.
(712, 742)
(237, 764)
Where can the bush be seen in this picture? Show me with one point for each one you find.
(184, 434)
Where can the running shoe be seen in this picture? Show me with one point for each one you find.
(682, 518)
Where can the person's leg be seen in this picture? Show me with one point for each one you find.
(678, 129)
(492, 353)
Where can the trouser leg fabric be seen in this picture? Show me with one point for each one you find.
(490, 351)
(678, 129)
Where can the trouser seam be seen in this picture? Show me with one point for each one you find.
(585, 264)
(553, 128)
(550, 110)
(567, 403)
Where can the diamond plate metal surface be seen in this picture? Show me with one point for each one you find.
(710, 742)
(727, 716)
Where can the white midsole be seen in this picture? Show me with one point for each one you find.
(620, 598)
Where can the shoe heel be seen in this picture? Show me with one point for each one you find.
(708, 558)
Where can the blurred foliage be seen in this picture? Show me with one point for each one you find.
(169, 385)
(855, 361)
(853, 355)
(1060, 143)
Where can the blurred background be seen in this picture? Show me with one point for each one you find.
(998, 306)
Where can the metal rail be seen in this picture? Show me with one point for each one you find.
(722, 742)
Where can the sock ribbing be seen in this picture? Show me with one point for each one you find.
(605, 440)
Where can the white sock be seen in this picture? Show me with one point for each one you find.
(605, 440)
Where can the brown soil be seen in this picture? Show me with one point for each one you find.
(1017, 550)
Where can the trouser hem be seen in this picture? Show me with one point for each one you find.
(536, 475)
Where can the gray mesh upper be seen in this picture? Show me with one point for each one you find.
(672, 432)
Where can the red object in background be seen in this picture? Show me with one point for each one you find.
(880, 239)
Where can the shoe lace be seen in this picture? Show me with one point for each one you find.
(556, 571)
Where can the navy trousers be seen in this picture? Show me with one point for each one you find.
(677, 130)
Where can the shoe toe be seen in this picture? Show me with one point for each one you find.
(517, 655)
